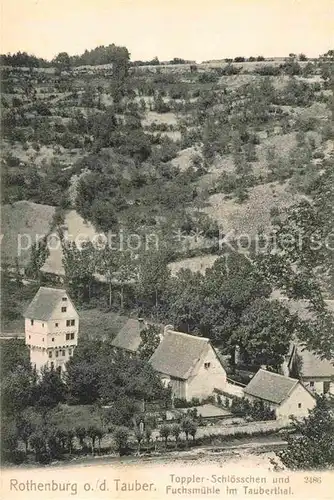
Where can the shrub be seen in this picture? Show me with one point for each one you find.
(121, 437)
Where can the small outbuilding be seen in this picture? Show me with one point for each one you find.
(286, 395)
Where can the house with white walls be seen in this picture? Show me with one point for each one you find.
(285, 395)
(315, 373)
(51, 328)
(189, 365)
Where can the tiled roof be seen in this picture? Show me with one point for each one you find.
(44, 303)
(270, 386)
(128, 337)
(178, 353)
(299, 307)
(312, 366)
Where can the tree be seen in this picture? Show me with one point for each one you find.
(25, 428)
(165, 432)
(79, 265)
(106, 264)
(150, 340)
(121, 437)
(94, 432)
(153, 278)
(139, 435)
(265, 331)
(17, 388)
(311, 446)
(62, 62)
(126, 273)
(176, 431)
(148, 434)
(184, 300)
(50, 389)
(187, 426)
(14, 354)
(81, 433)
(299, 261)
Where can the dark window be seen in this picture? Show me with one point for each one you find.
(53, 339)
(63, 353)
(43, 339)
(299, 405)
(311, 383)
(72, 322)
(64, 298)
(63, 309)
(67, 336)
(52, 365)
(326, 387)
(57, 354)
(50, 354)
(68, 322)
(29, 336)
(31, 321)
(207, 365)
(43, 325)
(72, 336)
(70, 352)
(56, 325)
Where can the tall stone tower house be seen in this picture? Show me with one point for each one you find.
(51, 328)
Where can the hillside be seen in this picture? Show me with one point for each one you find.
(161, 148)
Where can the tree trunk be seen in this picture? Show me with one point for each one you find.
(110, 290)
(122, 297)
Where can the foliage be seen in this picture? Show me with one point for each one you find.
(264, 333)
(305, 270)
(257, 410)
(311, 446)
(150, 340)
(121, 436)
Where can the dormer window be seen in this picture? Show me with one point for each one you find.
(64, 298)
(207, 365)
(63, 309)
(31, 322)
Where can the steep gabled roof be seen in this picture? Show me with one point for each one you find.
(44, 303)
(313, 366)
(178, 354)
(128, 337)
(270, 386)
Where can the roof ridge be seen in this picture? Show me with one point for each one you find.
(277, 374)
(187, 335)
(52, 288)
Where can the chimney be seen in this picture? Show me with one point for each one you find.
(167, 329)
(141, 324)
(236, 354)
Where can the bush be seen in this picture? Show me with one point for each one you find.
(257, 410)
(121, 437)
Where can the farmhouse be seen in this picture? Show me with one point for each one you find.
(189, 365)
(51, 328)
(315, 373)
(128, 338)
(287, 396)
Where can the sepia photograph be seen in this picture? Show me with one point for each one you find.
(167, 249)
